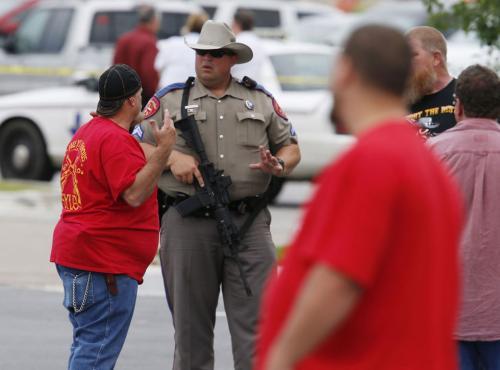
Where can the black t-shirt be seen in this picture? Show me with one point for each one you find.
(435, 111)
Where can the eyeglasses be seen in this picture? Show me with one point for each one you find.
(219, 53)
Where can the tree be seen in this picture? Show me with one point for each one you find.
(480, 16)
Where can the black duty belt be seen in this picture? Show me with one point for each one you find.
(240, 206)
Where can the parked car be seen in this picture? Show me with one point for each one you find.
(59, 39)
(333, 29)
(35, 126)
(275, 19)
(12, 12)
(298, 78)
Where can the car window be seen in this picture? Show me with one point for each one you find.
(109, 25)
(171, 24)
(302, 72)
(266, 18)
(43, 31)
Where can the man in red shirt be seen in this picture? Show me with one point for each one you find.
(108, 231)
(138, 49)
(370, 282)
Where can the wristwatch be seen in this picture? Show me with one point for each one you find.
(282, 163)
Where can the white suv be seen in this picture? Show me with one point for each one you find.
(273, 18)
(59, 39)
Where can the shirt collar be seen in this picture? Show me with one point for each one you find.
(234, 90)
(144, 29)
(476, 124)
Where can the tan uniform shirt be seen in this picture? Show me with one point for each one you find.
(232, 128)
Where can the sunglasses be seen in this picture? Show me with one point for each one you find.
(219, 53)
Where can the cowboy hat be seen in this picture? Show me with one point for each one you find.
(218, 35)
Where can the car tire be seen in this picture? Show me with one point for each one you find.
(23, 154)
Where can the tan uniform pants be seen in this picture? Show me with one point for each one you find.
(195, 269)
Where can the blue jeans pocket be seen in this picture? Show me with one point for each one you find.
(78, 288)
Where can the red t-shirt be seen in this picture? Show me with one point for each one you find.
(99, 231)
(387, 216)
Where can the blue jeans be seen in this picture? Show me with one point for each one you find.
(100, 319)
(479, 355)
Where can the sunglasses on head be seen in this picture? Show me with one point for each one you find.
(219, 53)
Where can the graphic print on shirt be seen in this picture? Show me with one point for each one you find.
(425, 117)
(75, 157)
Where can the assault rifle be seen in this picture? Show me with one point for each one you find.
(214, 195)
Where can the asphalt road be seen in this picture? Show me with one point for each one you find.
(34, 330)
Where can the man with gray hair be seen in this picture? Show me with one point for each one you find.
(137, 49)
(430, 91)
(471, 152)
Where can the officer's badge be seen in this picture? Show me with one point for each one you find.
(278, 110)
(152, 107)
(249, 105)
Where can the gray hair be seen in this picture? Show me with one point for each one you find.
(146, 13)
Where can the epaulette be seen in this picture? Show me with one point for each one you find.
(253, 85)
(169, 88)
(264, 90)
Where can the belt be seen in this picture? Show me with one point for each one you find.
(240, 206)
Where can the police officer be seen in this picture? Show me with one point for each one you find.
(247, 135)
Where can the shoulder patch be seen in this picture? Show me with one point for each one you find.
(152, 107)
(169, 88)
(279, 111)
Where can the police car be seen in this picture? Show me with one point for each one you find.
(35, 126)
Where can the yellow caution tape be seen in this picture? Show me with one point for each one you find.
(304, 80)
(41, 71)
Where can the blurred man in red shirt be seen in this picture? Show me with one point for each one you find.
(370, 282)
(137, 49)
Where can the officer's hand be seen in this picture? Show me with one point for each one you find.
(165, 137)
(268, 163)
(184, 167)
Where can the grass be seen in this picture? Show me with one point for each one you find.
(280, 252)
(14, 186)
(8, 185)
